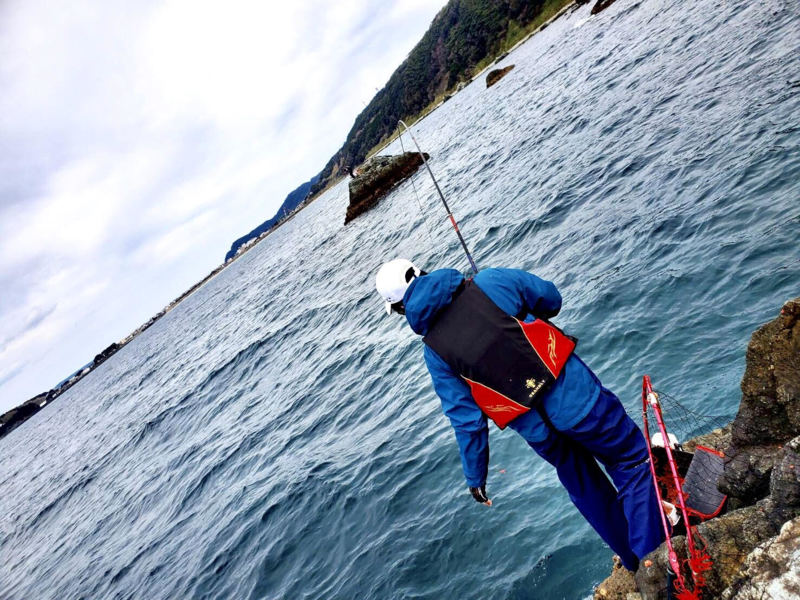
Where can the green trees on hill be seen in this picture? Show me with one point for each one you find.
(464, 33)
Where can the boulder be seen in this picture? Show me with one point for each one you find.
(376, 178)
(772, 570)
(601, 5)
(496, 75)
(106, 354)
(769, 413)
(620, 584)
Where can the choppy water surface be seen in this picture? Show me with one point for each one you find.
(276, 436)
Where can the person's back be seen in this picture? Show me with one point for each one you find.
(570, 423)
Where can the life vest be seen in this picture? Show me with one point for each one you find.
(507, 363)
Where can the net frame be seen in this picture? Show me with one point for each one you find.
(698, 561)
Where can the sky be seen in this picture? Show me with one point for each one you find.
(138, 139)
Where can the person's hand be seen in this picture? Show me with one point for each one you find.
(479, 493)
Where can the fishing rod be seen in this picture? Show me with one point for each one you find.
(441, 195)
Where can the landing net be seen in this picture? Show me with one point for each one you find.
(686, 478)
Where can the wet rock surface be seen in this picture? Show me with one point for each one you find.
(755, 546)
(376, 178)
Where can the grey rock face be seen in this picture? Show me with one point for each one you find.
(772, 570)
(769, 413)
(747, 472)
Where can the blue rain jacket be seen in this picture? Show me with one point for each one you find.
(568, 402)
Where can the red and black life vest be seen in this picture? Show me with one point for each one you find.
(507, 363)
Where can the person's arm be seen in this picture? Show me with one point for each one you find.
(541, 297)
(467, 420)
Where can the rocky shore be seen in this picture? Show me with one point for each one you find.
(755, 543)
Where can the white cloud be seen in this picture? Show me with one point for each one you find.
(131, 130)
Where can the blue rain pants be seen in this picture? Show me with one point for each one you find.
(626, 514)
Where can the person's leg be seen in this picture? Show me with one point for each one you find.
(615, 440)
(590, 491)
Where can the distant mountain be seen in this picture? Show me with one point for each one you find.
(464, 36)
(291, 202)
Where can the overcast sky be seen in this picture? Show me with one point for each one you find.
(138, 139)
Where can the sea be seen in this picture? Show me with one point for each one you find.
(277, 436)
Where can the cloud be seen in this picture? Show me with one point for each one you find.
(139, 139)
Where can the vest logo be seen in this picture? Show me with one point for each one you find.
(501, 408)
(551, 346)
(534, 386)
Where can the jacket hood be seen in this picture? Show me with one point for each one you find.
(427, 295)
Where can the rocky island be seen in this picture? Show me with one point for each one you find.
(376, 178)
(497, 74)
(755, 543)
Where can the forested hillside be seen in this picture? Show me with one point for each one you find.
(464, 33)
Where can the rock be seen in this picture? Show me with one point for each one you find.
(651, 577)
(376, 178)
(718, 439)
(106, 354)
(601, 5)
(784, 485)
(497, 74)
(747, 472)
(731, 538)
(617, 586)
(769, 413)
(772, 570)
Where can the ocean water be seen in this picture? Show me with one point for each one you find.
(276, 435)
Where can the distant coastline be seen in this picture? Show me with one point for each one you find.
(13, 418)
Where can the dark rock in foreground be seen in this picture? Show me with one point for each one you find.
(755, 547)
(376, 178)
(497, 74)
(769, 414)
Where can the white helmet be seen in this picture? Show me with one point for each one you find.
(393, 279)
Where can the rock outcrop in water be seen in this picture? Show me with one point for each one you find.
(376, 178)
(497, 74)
(756, 545)
(601, 5)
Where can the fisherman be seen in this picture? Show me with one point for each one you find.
(492, 353)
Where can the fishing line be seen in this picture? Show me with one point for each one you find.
(419, 202)
(441, 195)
